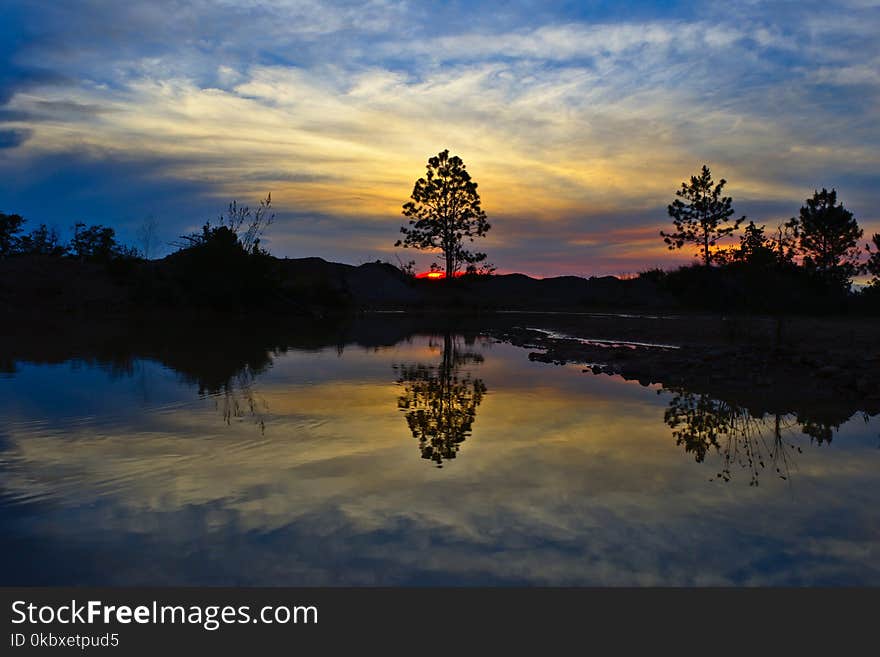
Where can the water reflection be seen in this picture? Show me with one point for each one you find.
(565, 478)
(440, 401)
(702, 424)
(236, 398)
(221, 369)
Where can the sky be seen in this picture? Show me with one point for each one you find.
(578, 120)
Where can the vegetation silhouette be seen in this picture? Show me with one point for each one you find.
(806, 265)
(702, 424)
(445, 211)
(871, 294)
(700, 215)
(756, 250)
(148, 238)
(441, 404)
(94, 243)
(222, 266)
(873, 264)
(97, 244)
(828, 237)
(240, 227)
(42, 241)
(10, 225)
(803, 266)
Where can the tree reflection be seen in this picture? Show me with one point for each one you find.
(236, 399)
(702, 424)
(440, 403)
(226, 372)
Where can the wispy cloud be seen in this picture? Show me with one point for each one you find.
(576, 121)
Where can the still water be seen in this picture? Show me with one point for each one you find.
(438, 460)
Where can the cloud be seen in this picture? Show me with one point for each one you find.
(13, 138)
(574, 41)
(564, 118)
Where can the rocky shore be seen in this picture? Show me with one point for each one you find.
(824, 369)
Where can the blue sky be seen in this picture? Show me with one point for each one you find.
(578, 120)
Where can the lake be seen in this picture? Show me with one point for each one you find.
(423, 459)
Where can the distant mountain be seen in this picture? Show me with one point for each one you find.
(33, 285)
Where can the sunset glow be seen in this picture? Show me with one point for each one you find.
(437, 275)
(578, 123)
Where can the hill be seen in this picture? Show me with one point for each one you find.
(36, 285)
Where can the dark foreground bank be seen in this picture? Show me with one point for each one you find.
(39, 286)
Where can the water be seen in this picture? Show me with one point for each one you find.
(430, 459)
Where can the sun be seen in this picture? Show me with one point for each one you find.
(437, 275)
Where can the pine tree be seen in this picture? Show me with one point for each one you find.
(444, 212)
(700, 215)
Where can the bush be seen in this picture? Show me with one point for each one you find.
(42, 241)
(10, 225)
(740, 286)
(98, 244)
(223, 266)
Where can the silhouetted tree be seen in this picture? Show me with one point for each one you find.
(784, 244)
(408, 269)
(827, 237)
(440, 405)
(444, 212)
(41, 241)
(754, 247)
(486, 269)
(700, 215)
(147, 239)
(10, 225)
(97, 244)
(873, 264)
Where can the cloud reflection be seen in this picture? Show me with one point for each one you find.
(574, 479)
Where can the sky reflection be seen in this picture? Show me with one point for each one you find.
(563, 478)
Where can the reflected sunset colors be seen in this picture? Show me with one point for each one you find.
(317, 466)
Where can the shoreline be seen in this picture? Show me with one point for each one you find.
(826, 368)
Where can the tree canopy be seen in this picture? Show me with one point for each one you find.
(42, 241)
(827, 236)
(873, 265)
(445, 213)
(755, 248)
(10, 224)
(700, 215)
(96, 243)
